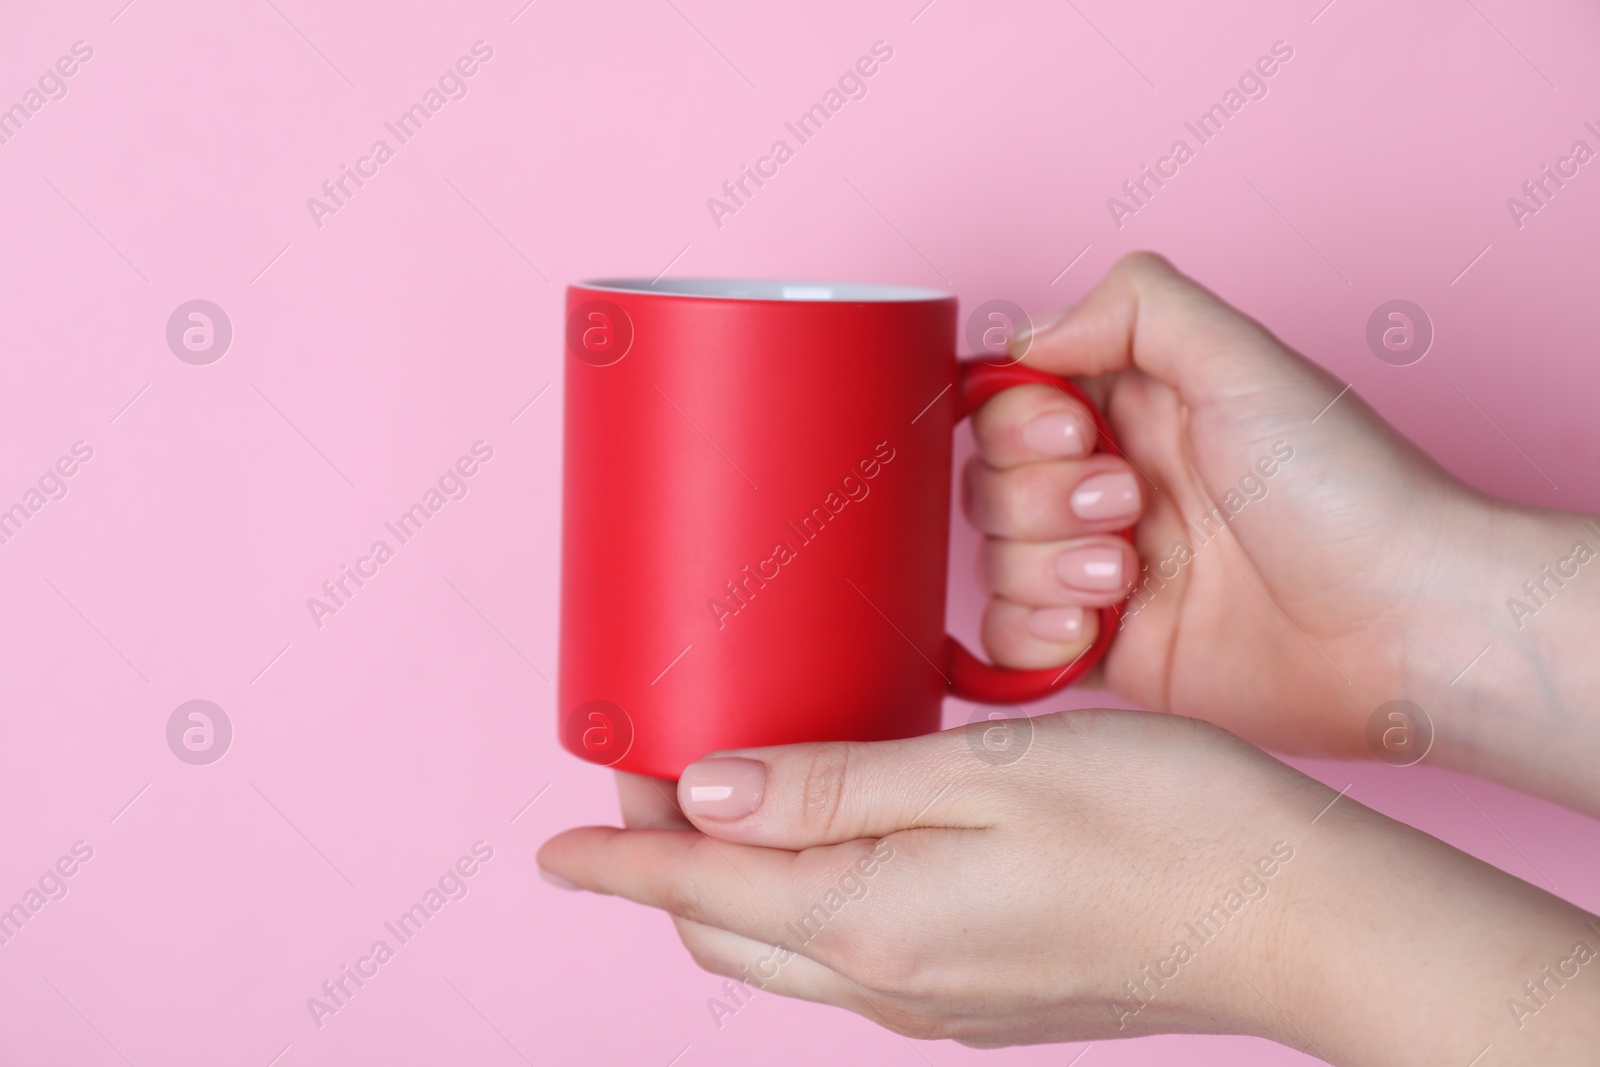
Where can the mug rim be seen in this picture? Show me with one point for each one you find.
(768, 290)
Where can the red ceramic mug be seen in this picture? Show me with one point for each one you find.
(756, 518)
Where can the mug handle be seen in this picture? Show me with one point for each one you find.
(970, 677)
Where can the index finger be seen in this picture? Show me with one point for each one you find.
(1144, 313)
(1030, 423)
(758, 893)
(805, 795)
(649, 803)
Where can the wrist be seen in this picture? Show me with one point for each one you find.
(1394, 948)
(1510, 681)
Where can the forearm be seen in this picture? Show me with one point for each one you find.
(1396, 949)
(1513, 684)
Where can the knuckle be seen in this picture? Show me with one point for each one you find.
(1024, 572)
(701, 953)
(894, 969)
(993, 571)
(1031, 496)
(973, 495)
(1010, 408)
(705, 956)
(980, 1039)
(934, 1027)
(1012, 645)
(684, 896)
(822, 794)
(915, 1023)
(1144, 262)
(999, 635)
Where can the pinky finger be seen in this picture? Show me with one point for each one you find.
(751, 965)
(754, 966)
(1026, 638)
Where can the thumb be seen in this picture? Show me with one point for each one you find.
(800, 796)
(1145, 314)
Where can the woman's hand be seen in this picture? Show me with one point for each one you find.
(1104, 874)
(1298, 562)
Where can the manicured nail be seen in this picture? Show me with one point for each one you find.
(725, 787)
(1061, 625)
(1112, 495)
(557, 881)
(1091, 570)
(1059, 433)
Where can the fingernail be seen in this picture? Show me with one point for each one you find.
(1112, 495)
(725, 787)
(1059, 433)
(1092, 570)
(1061, 625)
(557, 881)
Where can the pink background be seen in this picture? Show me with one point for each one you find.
(426, 314)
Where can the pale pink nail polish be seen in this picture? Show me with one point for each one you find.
(1059, 433)
(558, 881)
(1092, 570)
(1112, 495)
(1061, 625)
(724, 787)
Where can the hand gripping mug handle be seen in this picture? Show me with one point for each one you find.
(970, 677)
